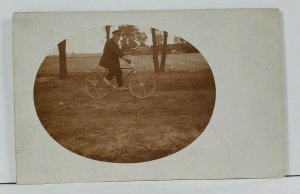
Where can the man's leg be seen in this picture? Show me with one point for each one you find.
(120, 80)
(111, 73)
(119, 77)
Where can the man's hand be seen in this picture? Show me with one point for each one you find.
(127, 59)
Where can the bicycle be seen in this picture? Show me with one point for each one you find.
(141, 85)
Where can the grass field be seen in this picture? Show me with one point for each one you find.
(86, 63)
(120, 127)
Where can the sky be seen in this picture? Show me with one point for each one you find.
(92, 41)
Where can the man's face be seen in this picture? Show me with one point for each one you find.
(116, 37)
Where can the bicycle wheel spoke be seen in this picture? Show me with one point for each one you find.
(96, 88)
(87, 85)
(142, 85)
(137, 79)
(98, 91)
(146, 80)
(90, 81)
(136, 86)
(142, 91)
(147, 89)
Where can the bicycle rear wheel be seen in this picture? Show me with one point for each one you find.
(142, 85)
(95, 86)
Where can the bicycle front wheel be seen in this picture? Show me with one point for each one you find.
(142, 85)
(95, 86)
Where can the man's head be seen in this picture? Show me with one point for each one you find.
(116, 35)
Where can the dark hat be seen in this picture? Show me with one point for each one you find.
(117, 32)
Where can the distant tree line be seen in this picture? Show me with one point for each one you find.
(182, 45)
(179, 48)
(133, 43)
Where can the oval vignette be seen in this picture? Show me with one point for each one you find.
(120, 127)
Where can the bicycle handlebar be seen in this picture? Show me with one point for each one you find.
(129, 61)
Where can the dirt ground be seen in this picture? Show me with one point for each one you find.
(121, 128)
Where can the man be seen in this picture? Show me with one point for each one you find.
(110, 60)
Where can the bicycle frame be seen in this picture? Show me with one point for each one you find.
(96, 87)
(128, 74)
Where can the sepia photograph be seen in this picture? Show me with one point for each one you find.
(124, 94)
(148, 95)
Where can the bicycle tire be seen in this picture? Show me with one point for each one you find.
(142, 85)
(95, 86)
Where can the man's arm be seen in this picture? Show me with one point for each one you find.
(114, 48)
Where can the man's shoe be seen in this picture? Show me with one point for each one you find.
(122, 88)
(107, 82)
